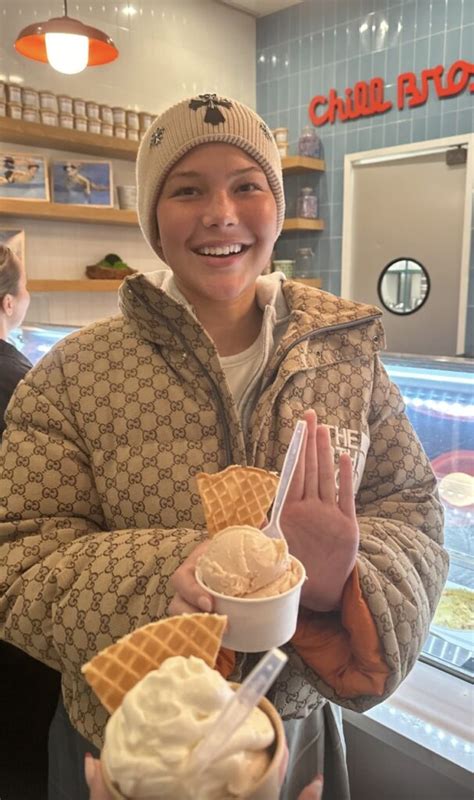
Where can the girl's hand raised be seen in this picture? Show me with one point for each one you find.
(320, 522)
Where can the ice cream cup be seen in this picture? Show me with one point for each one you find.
(268, 787)
(256, 624)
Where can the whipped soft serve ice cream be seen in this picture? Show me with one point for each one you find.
(149, 739)
(241, 561)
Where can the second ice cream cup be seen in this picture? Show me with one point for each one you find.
(256, 624)
(268, 787)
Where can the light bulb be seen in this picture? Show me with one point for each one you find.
(67, 52)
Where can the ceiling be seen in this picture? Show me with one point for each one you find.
(259, 8)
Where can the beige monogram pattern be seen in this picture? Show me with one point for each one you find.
(100, 506)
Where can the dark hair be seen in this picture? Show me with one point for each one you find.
(9, 272)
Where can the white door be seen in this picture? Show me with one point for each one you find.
(408, 210)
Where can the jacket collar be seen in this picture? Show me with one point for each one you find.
(154, 306)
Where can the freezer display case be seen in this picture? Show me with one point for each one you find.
(35, 340)
(439, 397)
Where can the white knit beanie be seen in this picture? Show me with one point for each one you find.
(194, 121)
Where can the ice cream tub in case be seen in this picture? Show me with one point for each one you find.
(145, 120)
(49, 117)
(80, 123)
(94, 126)
(92, 110)
(15, 110)
(30, 114)
(79, 107)
(106, 114)
(66, 120)
(120, 131)
(48, 101)
(13, 93)
(30, 97)
(65, 104)
(3, 108)
(119, 115)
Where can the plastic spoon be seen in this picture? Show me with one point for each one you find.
(273, 529)
(237, 709)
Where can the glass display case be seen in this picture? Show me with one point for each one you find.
(439, 397)
(35, 340)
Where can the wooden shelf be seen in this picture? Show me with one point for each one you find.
(95, 215)
(63, 212)
(301, 224)
(37, 135)
(296, 165)
(73, 286)
(94, 144)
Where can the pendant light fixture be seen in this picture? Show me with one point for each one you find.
(66, 44)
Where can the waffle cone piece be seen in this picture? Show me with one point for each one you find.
(236, 496)
(117, 668)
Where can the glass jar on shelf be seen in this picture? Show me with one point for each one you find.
(309, 143)
(307, 203)
(305, 265)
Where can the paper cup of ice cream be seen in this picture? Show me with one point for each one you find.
(256, 583)
(153, 732)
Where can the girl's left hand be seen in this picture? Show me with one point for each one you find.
(319, 522)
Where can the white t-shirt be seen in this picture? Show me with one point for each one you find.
(243, 371)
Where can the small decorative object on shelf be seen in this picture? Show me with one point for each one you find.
(281, 139)
(304, 266)
(307, 204)
(287, 266)
(127, 196)
(309, 143)
(111, 267)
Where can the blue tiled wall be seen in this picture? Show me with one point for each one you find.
(317, 45)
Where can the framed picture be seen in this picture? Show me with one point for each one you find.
(82, 183)
(14, 238)
(23, 176)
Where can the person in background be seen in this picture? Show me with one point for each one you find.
(211, 364)
(14, 302)
(28, 689)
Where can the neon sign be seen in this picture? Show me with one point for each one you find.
(366, 99)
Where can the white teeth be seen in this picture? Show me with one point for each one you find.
(220, 251)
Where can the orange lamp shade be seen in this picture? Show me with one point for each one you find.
(31, 43)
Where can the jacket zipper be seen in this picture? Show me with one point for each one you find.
(215, 390)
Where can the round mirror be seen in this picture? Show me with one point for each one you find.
(403, 286)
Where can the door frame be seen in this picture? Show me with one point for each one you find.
(406, 151)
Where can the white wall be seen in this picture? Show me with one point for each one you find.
(169, 50)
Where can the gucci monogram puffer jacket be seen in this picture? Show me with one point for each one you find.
(99, 504)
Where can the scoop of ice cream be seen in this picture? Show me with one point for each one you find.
(241, 560)
(282, 584)
(150, 737)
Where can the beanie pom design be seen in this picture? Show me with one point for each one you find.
(212, 102)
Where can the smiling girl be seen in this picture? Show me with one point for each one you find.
(211, 364)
